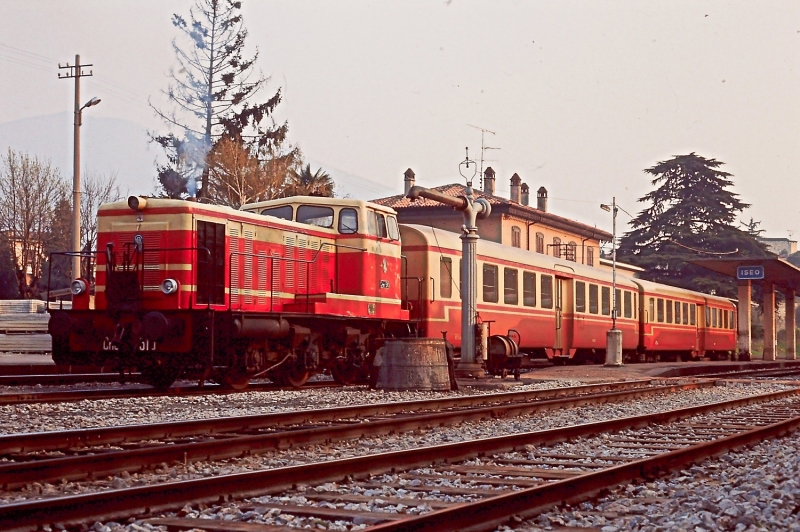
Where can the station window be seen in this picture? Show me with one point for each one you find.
(605, 300)
(590, 256)
(572, 252)
(652, 312)
(669, 310)
(628, 306)
(283, 212)
(446, 277)
(660, 314)
(348, 221)
(510, 286)
(490, 283)
(529, 289)
(686, 313)
(394, 230)
(547, 291)
(556, 247)
(580, 296)
(539, 243)
(618, 302)
(692, 312)
(593, 308)
(315, 215)
(516, 239)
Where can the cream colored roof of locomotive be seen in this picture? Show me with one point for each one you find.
(651, 287)
(449, 240)
(316, 200)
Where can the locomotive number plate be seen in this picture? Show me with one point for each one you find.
(144, 345)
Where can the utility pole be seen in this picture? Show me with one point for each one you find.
(76, 71)
(484, 147)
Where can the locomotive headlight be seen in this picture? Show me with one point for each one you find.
(169, 286)
(78, 287)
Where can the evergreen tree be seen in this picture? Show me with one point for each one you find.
(212, 93)
(691, 216)
(308, 183)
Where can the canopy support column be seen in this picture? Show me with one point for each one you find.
(744, 340)
(791, 338)
(770, 341)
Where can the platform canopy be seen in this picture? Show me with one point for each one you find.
(778, 271)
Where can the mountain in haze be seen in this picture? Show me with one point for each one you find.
(107, 145)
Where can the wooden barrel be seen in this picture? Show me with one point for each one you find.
(413, 364)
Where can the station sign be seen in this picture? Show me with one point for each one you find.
(750, 272)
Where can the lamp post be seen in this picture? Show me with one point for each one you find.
(76, 180)
(613, 336)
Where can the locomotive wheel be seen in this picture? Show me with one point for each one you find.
(344, 372)
(235, 379)
(295, 377)
(160, 377)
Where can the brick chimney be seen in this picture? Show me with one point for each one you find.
(515, 181)
(541, 199)
(488, 181)
(526, 194)
(409, 179)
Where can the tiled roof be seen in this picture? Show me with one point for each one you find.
(401, 202)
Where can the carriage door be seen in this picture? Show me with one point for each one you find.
(700, 330)
(558, 303)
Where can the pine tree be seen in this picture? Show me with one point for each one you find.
(212, 93)
(691, 216)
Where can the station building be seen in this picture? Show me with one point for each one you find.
(513, 221)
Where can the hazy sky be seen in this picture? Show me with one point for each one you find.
(582, 95)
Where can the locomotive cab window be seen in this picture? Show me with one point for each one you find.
(490, 283)
(510, 286)
(580, 296)
(529, 289)
(348, 221)
(547, 291)
(605, 300)
(376, 223)
(593, 291)
(446, 277)
(284, 212)
(315, 215)
(394, 231)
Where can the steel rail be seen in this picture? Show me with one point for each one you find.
(67, 396)
(104, 463)
(58, 378)
(122, 503)
(64, 439)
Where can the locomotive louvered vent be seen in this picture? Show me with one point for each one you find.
(210, 263)
(302, 265)
(289, 263)
(248, 266)
(236, 283)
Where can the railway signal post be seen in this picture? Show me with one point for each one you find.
(473, 209)
(614, 336)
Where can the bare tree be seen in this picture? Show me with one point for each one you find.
(97, 189)
(30, 192)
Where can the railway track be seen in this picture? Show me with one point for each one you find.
(491, 486)
(86, 453)
(67, 396)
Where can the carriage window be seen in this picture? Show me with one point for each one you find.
(725, 320)
(628, 306)
(708, 317)
(547, 291)
(284, 212)
(669, 311)
(605, 300)
(733, 319)
(490, 283)
(677, 313)
(686, 313)
(692, 311)
(510, 286)
(714, 322)
(593, 299)
(580, 296)
(348, 221)
(529, 289)
(652, 317)
(394, 231)
(446, 277)
(660, 315)
(315, 215)
(618, 302)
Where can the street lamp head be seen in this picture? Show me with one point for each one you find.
(605, 207)
(93, 101)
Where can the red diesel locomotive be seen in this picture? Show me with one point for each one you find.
(287, 288)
